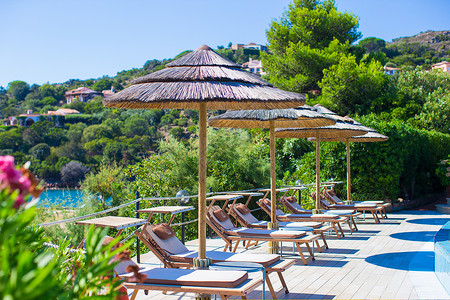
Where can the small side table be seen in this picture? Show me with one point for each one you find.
(296, 228)
(344, 212)
(241, 266)
(119, 223)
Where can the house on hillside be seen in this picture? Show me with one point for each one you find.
(108, 93)
(236, 46)
(444, 66)
(254, 66)
(251, 46)
(255, 47)
(29, 118)
(82, 94)
(390, 70)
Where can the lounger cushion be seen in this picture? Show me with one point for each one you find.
(267, 202)
(164, 231)
(220, 215)
(172, 245)
(207, 278)
(218, 256)
(122, 266)
(247, 218)
(331, 194)
(295, 206)
(300, 224)
(227, 224)
(242, 209)
(247, 232)
(291, 199)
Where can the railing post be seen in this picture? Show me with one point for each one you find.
(182, 227)
(138, 242)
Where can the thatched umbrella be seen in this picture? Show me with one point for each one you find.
(203, 80)
(371, 136)
(342, 128)
(302, 116)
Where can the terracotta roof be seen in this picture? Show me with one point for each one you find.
(29, 115)
(81, 90)
(391, 68)
(68, 111)
(62, 112)
(440, 63)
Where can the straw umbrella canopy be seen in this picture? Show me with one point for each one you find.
(371, 136)
(303, 116)
(342, 128)
(202, 80)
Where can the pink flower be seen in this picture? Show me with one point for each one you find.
(19, 202)
(12, 180)
(24, 184)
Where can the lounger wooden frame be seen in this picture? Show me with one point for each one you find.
(293, 210)
(321, 230)
(335, 223)
(383, 211)
(241, 290)
(229, 239)
(372, 210)
(278, 267)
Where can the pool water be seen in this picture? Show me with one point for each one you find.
(63, 197)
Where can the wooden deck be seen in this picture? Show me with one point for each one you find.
(391, 260)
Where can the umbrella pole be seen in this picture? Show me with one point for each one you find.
(273, 246)
(317, 210)
(349, 188)
(202, 261)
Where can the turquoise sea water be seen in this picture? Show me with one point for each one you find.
(64, 197)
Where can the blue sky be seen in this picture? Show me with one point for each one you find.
(56, 40)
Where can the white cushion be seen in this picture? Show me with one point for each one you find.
(227, 224)
(172, 245)
(249, 218)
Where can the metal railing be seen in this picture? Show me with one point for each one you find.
(137, 201)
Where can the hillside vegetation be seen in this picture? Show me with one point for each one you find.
(121, 151)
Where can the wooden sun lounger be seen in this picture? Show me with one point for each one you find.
(216, 283)
(295, 208)
(333, 198)
(171, 261)
(317, 227)
(372, 208)
(255, 237)
(241, 291)
(334, 221)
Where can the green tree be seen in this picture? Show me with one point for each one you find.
(135, 125)
(311, 36)
(94, 106)
(94, 132)
(113, 151)
(102, 84)
(75, 132)
(177, 132)
(48, 101)
(414, 87)
(436, 111)
(11, 139)
(376, 55)
(349, 88)
(372, 44)
(18, 89)
(109, 182)
(40, 151)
